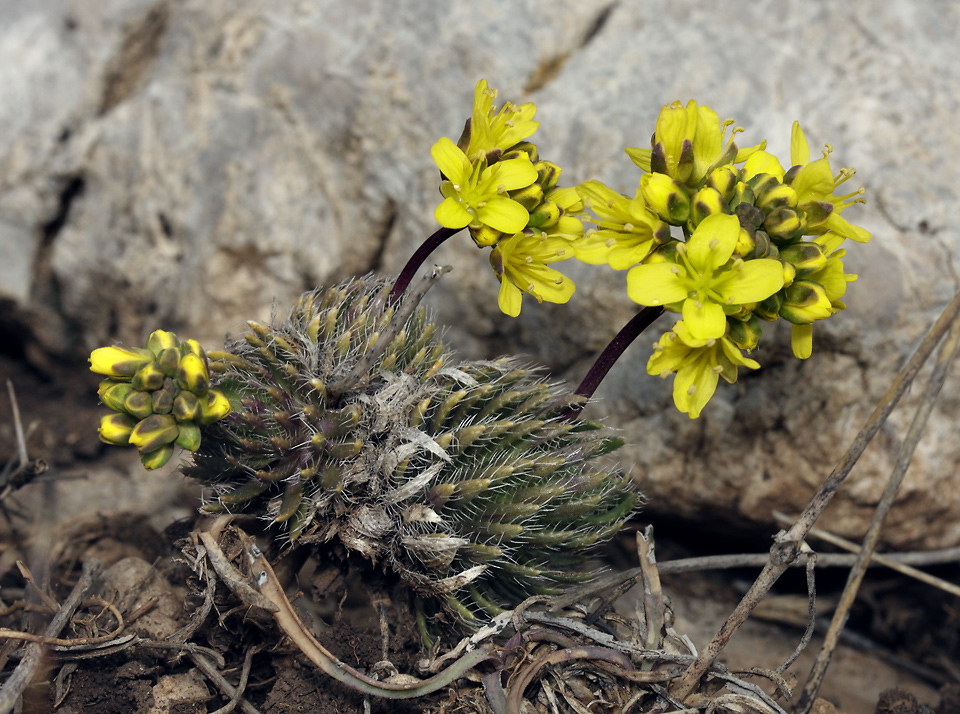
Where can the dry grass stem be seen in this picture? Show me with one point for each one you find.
(944, 359)
(786, 547)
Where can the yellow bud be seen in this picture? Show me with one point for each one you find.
(193, 374)
(805, 301)
(168, 360)
(708, 202)
(548, 174)
(189, 436)
(546, 215)
(806, 257)
(667, 197)
(745, 244)
(214, 406)
(160, 340)
(115, 429)
(524, 148)
(119, 361)
(724, 179)
(113, 393)
(154, 432)
(789, 274)
(192, 347)
(529, 197)
(148, 378)
(485, 236)
(157, 458)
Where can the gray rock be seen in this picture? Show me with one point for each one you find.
(189, 165)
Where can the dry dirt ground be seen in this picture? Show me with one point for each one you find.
(87, 505)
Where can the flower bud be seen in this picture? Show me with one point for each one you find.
(769, 308)
(138, 404)
(192, 347)
(805, 257)
(160, 340)
(548, 174)
(162, 399)
(746, 244)
(667, 197)
(524, 148)
(214, 406)
(188, 436)
(148, 378)
(186, 407)
(742, 194)
(157, 458)
(153, 432)
(485, 236)
(193, 375)
(789, 274)
(115, 429)
(529, 197)
(707, 202)
(761, 183)
(745, 334)
(775, 196)
(724, 179)
(119, 361)
(113, 393)
(785, 224)
(546, 215)
(168, 360)
(805, 301)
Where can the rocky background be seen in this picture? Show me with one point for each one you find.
(190, 164)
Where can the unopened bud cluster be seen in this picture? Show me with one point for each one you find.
(160, 396)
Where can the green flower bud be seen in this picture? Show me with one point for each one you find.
(186, 406)
(193, 375)
(169, 361)
(524, 148)
(707, 202)
(785, 224)
(115, 429)
(157, 458)
(805, 301)
(192, 347)
(745, 334)
(805, 257)
(485, 236)
(724, 179)
(761, 183)
(113, 393)
(817, 212)
(154, 432)
(546, 215)
(148, 378)
(548, 174)
(667, 197)
(160, 340)
(119, 361)
(769, 309)
(188, 436)
(763, 248)
(162, 399)
(138, 404)
(742, 195)
(214, 406)
(529, 197)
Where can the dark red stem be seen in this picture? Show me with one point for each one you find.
(611, 353)
(416, 260)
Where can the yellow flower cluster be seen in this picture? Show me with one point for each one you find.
(722, 235)
(160, 396)
(495, 184)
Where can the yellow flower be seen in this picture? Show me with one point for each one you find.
(475, 194)
(626, 229)
(704, 280)
(815, 184)
(698, 364)
(502, 130)
(688, 143)
(834, 282)
(520, 263)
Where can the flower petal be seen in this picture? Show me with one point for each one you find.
(754, 281)
(451, 161)
(510, 298)
(713, 242)
(799, 148)
(656, 284)
(511, 174)
(452, 214)
(504, 214)
(801, 340)
(705, 320)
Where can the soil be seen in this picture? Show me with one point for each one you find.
(88, 504)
